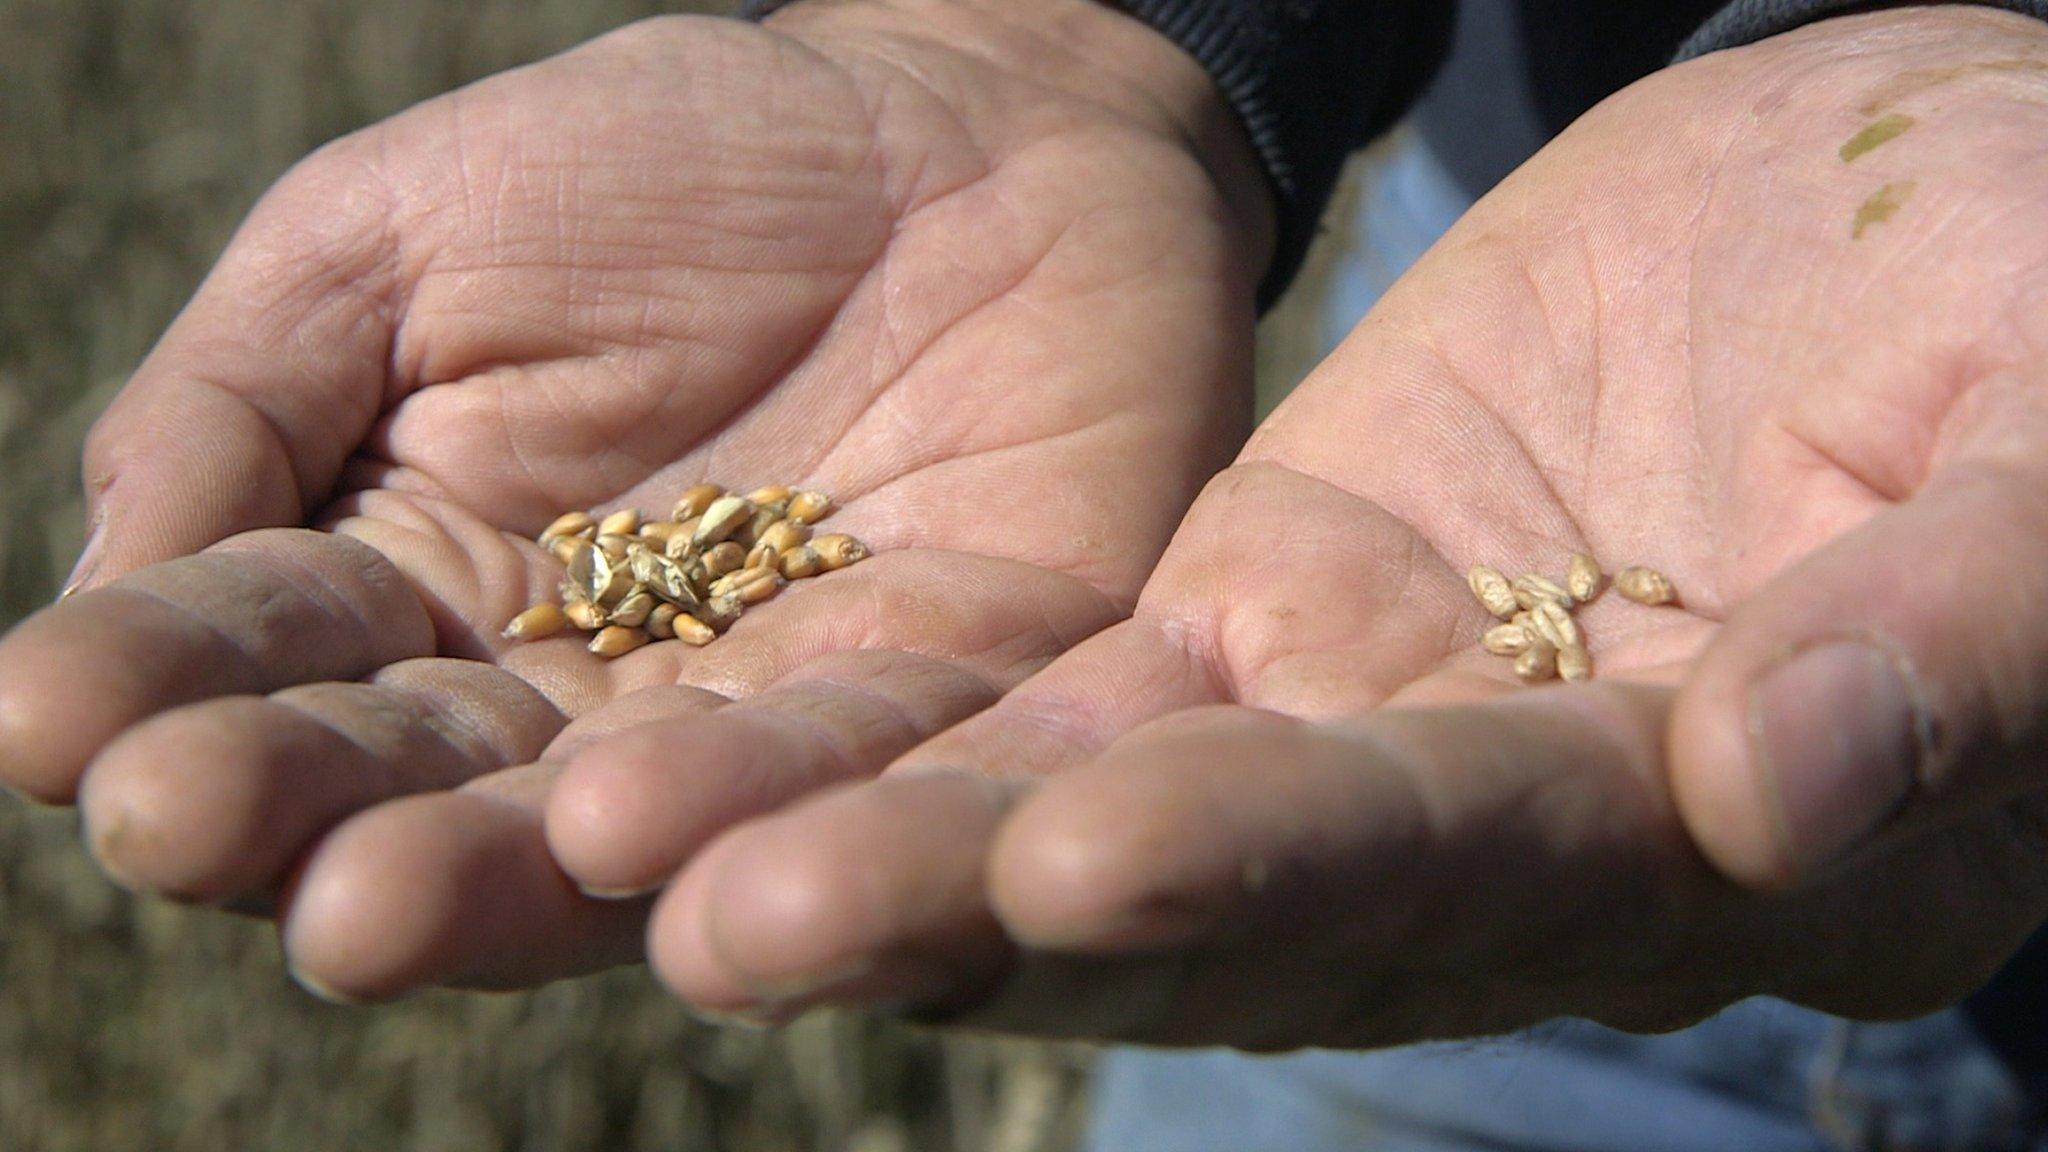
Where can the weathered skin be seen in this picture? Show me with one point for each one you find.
(1293, 803)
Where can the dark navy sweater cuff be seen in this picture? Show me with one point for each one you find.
(1747, 21)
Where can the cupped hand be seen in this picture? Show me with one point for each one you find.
(934, 259)
(1770, 322)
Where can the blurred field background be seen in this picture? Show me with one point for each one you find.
(134, 134)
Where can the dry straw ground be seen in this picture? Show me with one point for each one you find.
(133, 135)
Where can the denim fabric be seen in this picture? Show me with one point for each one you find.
(1411, 201)
(1764, 1076)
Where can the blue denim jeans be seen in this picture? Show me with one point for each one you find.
(1763, 1076)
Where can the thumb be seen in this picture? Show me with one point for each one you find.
(1891, 683)
(246, 410)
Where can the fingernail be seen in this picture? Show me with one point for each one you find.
(322, 990)
(1840, 735)
(88, 560)
(614, 894)
(104, 831)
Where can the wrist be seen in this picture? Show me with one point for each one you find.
(1879, 33)
(1835, 76)
(1752, 21)
(1092, 55)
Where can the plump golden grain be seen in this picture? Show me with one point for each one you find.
(725, 558)
(1554, 623)
(754, 585)
(1644, 586)
(1538, 662)
(631, 580)
(1541, 633)
(799, 562)
(1582, 577)
(1492, 589)
(568, 524)
(734, 582)
(783, 535)
(585, 615)
(837, 550)
(616, 640)
(537, 623)
(809, 507)
(720, 612)
(1574, 663)
(749, 534)
(721, 520)
(1532, 589)
(634, 610)
(694, 500)
(1506, 640)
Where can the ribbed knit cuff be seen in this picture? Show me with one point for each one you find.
(1747, 21)
(1312, 80)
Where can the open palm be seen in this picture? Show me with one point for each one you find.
(1003, 322)
(1292, 803)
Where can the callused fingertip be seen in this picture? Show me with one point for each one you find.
(165, 813)
(676, 951)
(590, 826)
(106, 835)
(126, 840)
(360, 916)
(42, 779)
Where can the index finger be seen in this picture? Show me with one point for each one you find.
(256, 613)
(245, 412)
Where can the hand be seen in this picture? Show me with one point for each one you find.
(1292, 803)
(937, 259)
